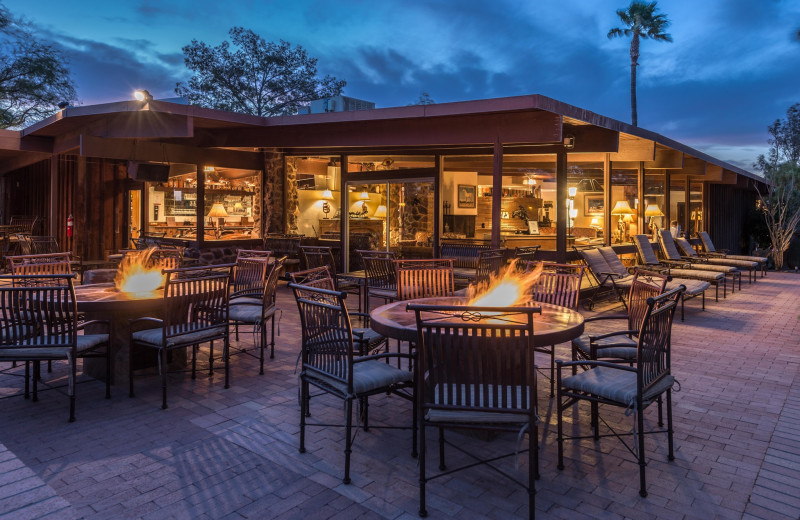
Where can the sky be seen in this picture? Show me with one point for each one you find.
(732, 69)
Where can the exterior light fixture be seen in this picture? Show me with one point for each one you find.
(569, 141)
(142, 95)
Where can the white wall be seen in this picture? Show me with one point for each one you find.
(450, 182)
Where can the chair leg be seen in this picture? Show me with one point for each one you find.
(303, 413)
(130, 369)
(422, 479)
(414, 427)
(163, 357)
(670, 443)
(560, 431)
(642, 464)
(36, 375)
(211, 358)
(348, 441)
(262, 337)
(272, 339)
(27, 380)
(552, 369)
(442, 465)
(660, 412)
(108, 370)
(71, 386)
(226, 358)
(194, 361)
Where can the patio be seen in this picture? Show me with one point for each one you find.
(233, 453)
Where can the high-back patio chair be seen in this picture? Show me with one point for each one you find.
(194, 310)
(711, 251)
(53, 263)
(318, 256)
(39, 322)
(23, 224)
(424, 278)
(716, 263)
(380, 274)
(630, 388)
(614, 277)
(478, 374)
(253, 253)
(330, 363)
(559, 284)
(245, 310)
(699, 262)
(490, 263)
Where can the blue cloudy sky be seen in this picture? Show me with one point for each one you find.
(733, 68)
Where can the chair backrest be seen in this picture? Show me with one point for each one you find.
(478, 364)
(708, 245)
(271, 284)
(317, 256)
(424, 278)
(319, 277)
(379, 269)
(527, 253)
(463, 254)
(249, 276)
(253, 253)
(43, 245)
(38, 311)
(615, 265)
(645, 249)
(148, 240)
(24, 224)
(165, 258)
(559, 284)
(23, 244)
(686, 247)
(490, 262)
(668, 245)
(595, 261)
(195, 299)
(327, 346)
(645, 285)
(49, 264)
(653, 352)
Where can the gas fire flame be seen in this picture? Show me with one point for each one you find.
(136, 277)
(511, 287)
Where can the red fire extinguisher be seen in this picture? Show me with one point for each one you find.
(70, 225)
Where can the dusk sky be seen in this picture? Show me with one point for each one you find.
(734, 66)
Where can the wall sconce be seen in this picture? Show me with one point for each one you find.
(622, 209)
(572, 190)
(569, 141)
(380, 212)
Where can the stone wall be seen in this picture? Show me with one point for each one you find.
(275, 181)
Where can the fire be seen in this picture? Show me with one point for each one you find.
(136, 278)
(511, 287)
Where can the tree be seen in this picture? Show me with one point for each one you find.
(424, 99)
(33, 74)
(641, 22)
(255, 77)
(780, 200)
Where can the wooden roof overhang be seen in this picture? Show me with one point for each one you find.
(466, 132)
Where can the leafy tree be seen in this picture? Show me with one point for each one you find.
(424, 99)
(780, 201)
(33, 75)
(641, 22)
(253, 76)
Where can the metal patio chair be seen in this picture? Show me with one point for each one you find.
(712, 252)
(424, 278)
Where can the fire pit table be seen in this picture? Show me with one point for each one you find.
(104, 302)
(555, 325)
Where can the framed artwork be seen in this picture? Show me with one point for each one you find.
(533, 227)
(593, 205)
(466, 196)
(504, 215)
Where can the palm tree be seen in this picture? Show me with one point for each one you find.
(641, 22)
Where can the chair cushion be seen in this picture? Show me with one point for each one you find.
(759, 259)
(614, 384)
(617, 347)
(615, 265)
(91, 341)
(248, 313)
(33, 353)
(693, 287)
(704, 266)
(745, 264)
(153, 337)
(245, 300)
(367, 377)
(478, 416)
(696, 274)
(366, 335)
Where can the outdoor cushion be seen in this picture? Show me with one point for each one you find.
(618, 347)
(597, 263)
(90, 341)
(153, 337)
(668, 245)
(645, 249)
(367, 376)
(693, 287)
(709, 246)
(705, 266)
(366, 335)
(245, 300)
(614, 263)
(744, 264)
(249, 313)
(458, 395)
(614, 384)
(33, 353)
(759, 259)
(696, 274)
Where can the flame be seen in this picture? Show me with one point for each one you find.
(135, 278)
(511, 287)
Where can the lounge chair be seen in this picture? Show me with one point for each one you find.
(711, 251)
(691, 254)
(608, 271)
(670, 250)
(681, 268)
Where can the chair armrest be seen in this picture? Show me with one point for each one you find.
(83, 324)
(384, 355)
(560, 363)
(593, 338)
(611, 275)
(610, 317)
(137, 324)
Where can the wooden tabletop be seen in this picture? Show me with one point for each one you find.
(104, 297)
(555, 325)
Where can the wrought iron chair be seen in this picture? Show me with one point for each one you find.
(245, 311)
(194, 310)
(712, 252)
(318, 256)
(620, 345)
(24, 224)
(253, 253)
(320, 278)
(330, 363)
(424, 278)
(53, 263)
(380, 274)
(476, 373)
(559, 284)
(490, 262)
(525, 254)
(39, 322)
(632, 388)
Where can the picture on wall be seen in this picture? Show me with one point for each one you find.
(593, 205)
(466, 196)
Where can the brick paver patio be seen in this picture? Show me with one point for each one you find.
(232, 453)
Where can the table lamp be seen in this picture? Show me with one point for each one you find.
(380, 212)
(218, 211)
(365, 197)
(622, 208)
(652, 210)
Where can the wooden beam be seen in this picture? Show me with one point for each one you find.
(14, 141)
(693, 166)
(21, 161)
(666, 158)
(713, 173)
(125, 149)
(497, 191)
(634, 149)
(729, 177)
(511, 127)
(145, 125)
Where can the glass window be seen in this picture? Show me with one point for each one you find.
(654, 210)
(677, 203)
(624, 204)
(585, 203)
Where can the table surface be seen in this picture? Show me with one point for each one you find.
(555, 325)
(103, 296)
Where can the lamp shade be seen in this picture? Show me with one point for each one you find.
(327, 195)
(380, 212)
(622, 208)
(364, 196)
(652, 210)
(594, 222)
(573, 213)
(572, 190)
(217, 210)
(238, 207)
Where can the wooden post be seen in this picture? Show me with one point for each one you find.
(640, 218)
(497, 192)
(561, 206)
(667, 200)
(201, 212)
(437, 197)
(607, 200)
